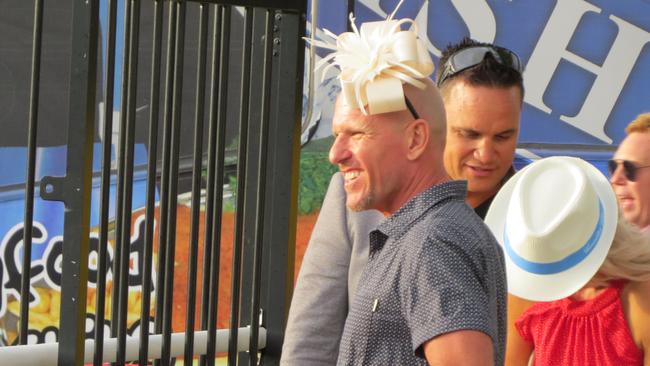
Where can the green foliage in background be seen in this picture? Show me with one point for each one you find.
(315, 174)
(229, 204)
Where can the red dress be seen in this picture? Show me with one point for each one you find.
(591, 332)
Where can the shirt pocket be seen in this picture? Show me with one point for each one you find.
(389, 341)
(385, 317)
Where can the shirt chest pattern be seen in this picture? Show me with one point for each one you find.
(378, 329)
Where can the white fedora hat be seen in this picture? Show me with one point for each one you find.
(555, 220)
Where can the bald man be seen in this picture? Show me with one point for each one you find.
(483, 105)
(433, 291)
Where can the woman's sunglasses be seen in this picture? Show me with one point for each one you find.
(629, 168)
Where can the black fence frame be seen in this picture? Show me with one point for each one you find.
(267, 174)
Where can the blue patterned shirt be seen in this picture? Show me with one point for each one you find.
(434, 268)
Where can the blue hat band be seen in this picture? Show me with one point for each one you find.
(563, 264)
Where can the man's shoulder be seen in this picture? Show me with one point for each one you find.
(457, 224)
(456, 216)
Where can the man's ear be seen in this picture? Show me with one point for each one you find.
(418, 135)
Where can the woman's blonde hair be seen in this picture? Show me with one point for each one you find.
(628, 257)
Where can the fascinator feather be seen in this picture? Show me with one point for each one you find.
(375, 61)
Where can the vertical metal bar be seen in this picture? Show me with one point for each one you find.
(121, 172)
(104, 204)
(130, 79)
(350, 11)
(165, 205)
(252, 170)
(77, 187)
(241, 188)
(218, 113)
(261, 191)
(208, 241)
(252, 167)
(173, 180)
(196, 183)
(25, 295)
(283, 156)
(147, 257)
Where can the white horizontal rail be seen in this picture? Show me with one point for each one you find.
(46, 354)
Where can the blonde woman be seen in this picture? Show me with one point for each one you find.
(578, 274)
(616, 299)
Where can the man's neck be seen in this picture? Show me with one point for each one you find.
(475, 199)
(426, 179)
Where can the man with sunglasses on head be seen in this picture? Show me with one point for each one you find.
(482, 89)
(630, 173)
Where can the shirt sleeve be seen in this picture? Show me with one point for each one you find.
(446, 293)
(320, 299)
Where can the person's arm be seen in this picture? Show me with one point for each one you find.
(518, 350)
(636, 304)
(335, 256)
(457, 310)
(451, 348)
(319, 304)
(463, 347)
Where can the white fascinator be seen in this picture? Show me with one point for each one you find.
(375, 61)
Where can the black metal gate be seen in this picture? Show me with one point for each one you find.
(260, 41)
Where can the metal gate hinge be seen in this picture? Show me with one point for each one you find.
(53, 188)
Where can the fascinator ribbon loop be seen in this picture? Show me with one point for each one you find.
(375, 61)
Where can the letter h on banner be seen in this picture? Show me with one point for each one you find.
(610, 77)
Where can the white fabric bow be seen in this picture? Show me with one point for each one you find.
(376, 61)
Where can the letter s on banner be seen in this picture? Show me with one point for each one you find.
(479, 19)
(477, 15)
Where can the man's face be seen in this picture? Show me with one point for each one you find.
(482, 131)
(634, 197)
(369, 151)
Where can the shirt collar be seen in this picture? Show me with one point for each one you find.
(400, 222)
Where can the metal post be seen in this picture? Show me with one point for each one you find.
(147, 258)
(283, 154)
(25, 295)
(74, 188)
(255, 314)
(238, 241)
(105, 181)
(167, 200)
(255, 92)
(216, 155)
(350, 11)
(130, 75)
(179, 45)
(197, 166)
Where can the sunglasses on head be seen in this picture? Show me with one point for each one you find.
(411, 109)
(629, 168)
(472, 56)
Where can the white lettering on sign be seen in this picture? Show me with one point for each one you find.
(550, 50)
(477, 15)
(610, 77)
(48, 267)
(479, 19)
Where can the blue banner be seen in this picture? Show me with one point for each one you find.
(587, 63)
